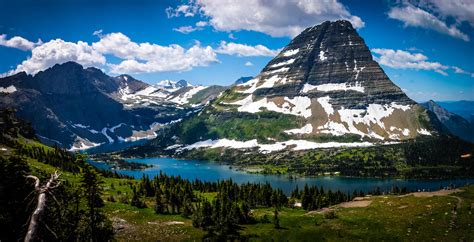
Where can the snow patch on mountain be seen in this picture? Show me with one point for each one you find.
(267, 148)
(322, 56)
(268, 83)
(299, 106)
(80, 126)
(333, 87)
(424, 132)
(324, 101)
(284, 63)
(184, 97)
(104, 132)
(83, 144)
(152, 91)
(283, 69)
(351, 119)
(357, 70)
(291, 52)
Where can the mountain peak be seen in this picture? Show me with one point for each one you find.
(68, 64)
(326, 75)
(182, 83)
(243, 79)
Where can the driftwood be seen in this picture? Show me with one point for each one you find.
(42, 191)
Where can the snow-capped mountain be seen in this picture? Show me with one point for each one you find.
(322, 90)
(80, 108)
(165, 92)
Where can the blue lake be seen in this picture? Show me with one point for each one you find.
(207, 171)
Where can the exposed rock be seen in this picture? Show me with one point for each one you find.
(323, 90)
(330, 66)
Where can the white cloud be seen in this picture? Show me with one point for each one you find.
(248, 63)
(202, 24)
(136, 57)
(400, 59)
(18, 42)
(98, 33)
(185, 29)
(184, 10)
(188, 29)
(231, 36)
(171, 58)
(155, 58)
(59, 51)
(461, 71)
(460, 10)
(133, 57)
(417, 17)
(245, 50)
(147, 57)
(276, 18)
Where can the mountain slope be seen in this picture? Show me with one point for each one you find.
(456, 124)
(463, 108)
(80, 108)
(323, 90)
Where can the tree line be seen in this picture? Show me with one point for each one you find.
(223, 214)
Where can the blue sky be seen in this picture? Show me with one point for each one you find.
(425, 47)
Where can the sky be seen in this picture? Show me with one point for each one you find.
(425, 46)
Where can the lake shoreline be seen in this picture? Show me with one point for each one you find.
(260, 169)
(213, 171)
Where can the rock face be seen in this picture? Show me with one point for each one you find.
(456, 124)
(323, 90)
(80, 108)
(327, 75)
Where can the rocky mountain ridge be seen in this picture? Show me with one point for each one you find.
(79, 108)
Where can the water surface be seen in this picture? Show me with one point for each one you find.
(207, 171)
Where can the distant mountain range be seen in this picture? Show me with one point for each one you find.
(80, 108)
(462, 108)
(456, 124)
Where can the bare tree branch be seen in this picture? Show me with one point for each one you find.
(50, 230)
(36, 179)
(52, 183)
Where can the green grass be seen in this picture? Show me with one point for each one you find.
(213, 124)
(388, 218)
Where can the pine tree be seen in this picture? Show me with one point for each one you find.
(187, 209)
(136, 202)
(159, 206)
(98, 227)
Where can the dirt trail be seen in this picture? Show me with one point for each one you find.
(356, 204)
(459, 201)
(435, 193)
